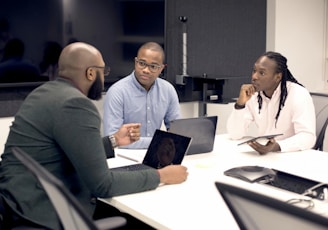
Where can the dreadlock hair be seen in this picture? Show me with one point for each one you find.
(282, 68)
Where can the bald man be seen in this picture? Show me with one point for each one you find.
(59, 126)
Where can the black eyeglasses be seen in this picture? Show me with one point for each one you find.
(152, 67)
(106, 69)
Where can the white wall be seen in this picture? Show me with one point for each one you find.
(297, 29)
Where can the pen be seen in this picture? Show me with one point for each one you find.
(126, 157)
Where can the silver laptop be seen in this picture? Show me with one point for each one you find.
(256, 211)
(202, 130)
(165, 149)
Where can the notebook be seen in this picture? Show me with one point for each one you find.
(164, 149)
(202, 130)
(253, 210)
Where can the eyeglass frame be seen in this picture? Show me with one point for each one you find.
(106, 69)
(150, 66)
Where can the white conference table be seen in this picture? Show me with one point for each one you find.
(196, 203)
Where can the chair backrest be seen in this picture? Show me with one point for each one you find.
(69, 210)
(319, 145)
(320, 102)
(5, 123)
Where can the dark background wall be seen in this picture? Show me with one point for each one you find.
(224, 38)
(35, 22)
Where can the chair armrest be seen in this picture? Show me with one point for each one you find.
(110, 222)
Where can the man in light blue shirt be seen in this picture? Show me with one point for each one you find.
(142, 97)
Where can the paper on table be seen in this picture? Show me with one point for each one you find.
(135, 155)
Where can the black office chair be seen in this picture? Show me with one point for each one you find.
(321, 123)
(69, 210)
(321, 137)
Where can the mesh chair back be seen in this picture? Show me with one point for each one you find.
(321, 112)
(68, 209)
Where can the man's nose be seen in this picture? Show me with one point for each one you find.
(146, 69)
(254, 76)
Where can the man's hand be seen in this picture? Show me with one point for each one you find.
(270, 146)
(245, 93)
(173, 174)
(127, 134)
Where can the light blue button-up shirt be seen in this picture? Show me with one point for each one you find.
(127, 101)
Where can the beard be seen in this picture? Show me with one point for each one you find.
(95, 92)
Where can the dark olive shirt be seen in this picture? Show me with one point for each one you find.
(60, 128)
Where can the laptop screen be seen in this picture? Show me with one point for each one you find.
(256, 211)
(166, 149)
(202, 130)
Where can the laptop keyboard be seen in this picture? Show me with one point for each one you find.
(134, 167)
(295, 184)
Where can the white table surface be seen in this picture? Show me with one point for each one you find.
(196, 203)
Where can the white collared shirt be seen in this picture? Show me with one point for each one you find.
(296, 120)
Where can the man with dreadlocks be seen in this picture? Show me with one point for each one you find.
(277, 103)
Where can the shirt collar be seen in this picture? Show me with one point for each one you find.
(276, 94)
(277, 91)
(69, 81)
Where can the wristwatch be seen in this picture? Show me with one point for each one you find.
(237, 106)
(113, 141)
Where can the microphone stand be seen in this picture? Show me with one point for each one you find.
(180, 78)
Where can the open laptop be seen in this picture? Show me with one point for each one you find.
(202, 130)
(253, 210)
(164, 149)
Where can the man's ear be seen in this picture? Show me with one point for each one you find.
(279, 77)
(163, 67)
(90, 73)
